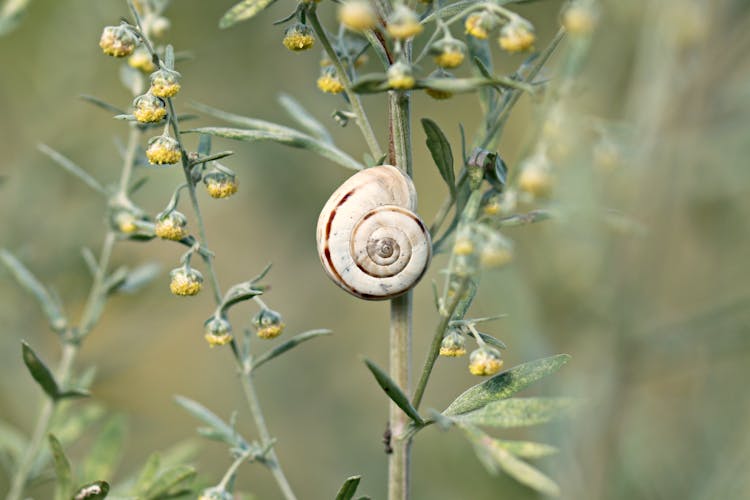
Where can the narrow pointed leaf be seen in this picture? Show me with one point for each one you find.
(204, 145)
(140, 277)
(224, 432)
(289, 344)
(72, 168)
(73, 393)
(349, 488)
(51, 308)
(489, 339)
(495, 457)
(506, 384)
(39, 371)
(92, 491)
(170, 480)
(440, 149)
(304, 118)
(147, 475)
(288, 137)
(106, 451)
(520, 412)
(64, 485)
(242, 11)
(103, 104)
(394, 392)
(527, 449)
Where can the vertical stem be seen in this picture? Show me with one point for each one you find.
(272, 462)
(399, 153)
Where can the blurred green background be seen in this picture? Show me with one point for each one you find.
(643, 278)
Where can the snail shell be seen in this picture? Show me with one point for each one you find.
(370, 241)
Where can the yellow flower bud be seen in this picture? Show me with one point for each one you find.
(516, 37)
(217, 331)
(485, 361)
(117, 41)
(329, 82)
(220, 184)
(141, 59)
(480, 24)
(400, 76)
(185, 281)
(403, 23)
(357, 15)
(448, 53)
(163, 150)
(298, 37)
(535, 177)
(453, 344)
(463, 246)
(578, 20)
(171, 226)
(268, 324)
(148, 108)
(165, 83)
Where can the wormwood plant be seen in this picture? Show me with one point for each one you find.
(484, 198)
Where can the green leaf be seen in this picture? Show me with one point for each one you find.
(289, 344)
(394, 392)
(64, 486)
(449, 10)
(527, 449)
(506, 384)
(287, 137)
(304, 118)
(370, 83)
(223, 431)
(242, 11)
(496, 457)
(519, 412)
(11, 13)
(204, 145)
(489, 339)
(147, 475)
(106, 451)
(92, 491)
(67, 164)
(102, 104)
(73, 393)
(170, 480)
(29, 282)
(440, 149)
(39, 371)
(349, 488)
(139, 277)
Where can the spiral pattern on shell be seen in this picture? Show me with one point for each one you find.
(370, 241)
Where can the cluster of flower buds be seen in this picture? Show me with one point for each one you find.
(218, 331)
(171, 225)
(483, 361)
(220, 182)
(516, 34)
(185, 281)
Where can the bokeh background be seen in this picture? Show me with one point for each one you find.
(643, 278)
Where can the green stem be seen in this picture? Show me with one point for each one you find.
(73, 343)
(247, 384)
(400, 155)
(186, 170)
(434, 351)
(41, 428)
(354, 100)
(272, 461)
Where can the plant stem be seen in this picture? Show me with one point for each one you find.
(247, 384)
(72, 343)
(42, 427)
(400, 155)
(354, 100)
(186, 170)
(434, 351)
(272, 461)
